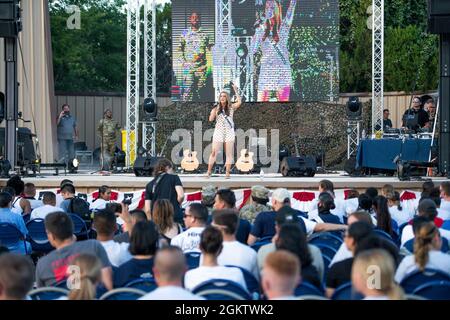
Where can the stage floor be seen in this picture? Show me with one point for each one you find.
(86, 182)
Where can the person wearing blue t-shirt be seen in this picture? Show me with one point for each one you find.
(143, 245)
(7, 216)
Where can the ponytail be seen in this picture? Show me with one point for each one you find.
(395, 292)
(423, 242)
(87, 290)
(90, 268)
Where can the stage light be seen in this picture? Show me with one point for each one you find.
(354, 108)
(5, 167)
(73, 165)
(150, 108)
(120, 160)
(242, 51)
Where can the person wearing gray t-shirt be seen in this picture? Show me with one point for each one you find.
(66, 132)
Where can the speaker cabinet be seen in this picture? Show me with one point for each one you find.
(439, 16)
(298, 166)
(143, 166)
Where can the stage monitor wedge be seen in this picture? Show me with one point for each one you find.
(298, 166)
(143, 166)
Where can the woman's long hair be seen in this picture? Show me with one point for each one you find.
(273, 23)
(423, 243)
(161, 166)
(363, 266)
(163, 215)
(90, 268)
(326, 202)
(395, 197)
(226, 108)
(384, 220)
(292, 238)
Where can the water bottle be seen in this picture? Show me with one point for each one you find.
(261, 174)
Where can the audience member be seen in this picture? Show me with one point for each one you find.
(143, 246)
(371, 192)
(340, 272)
(211, 247)
(103, 198)
(52, 268)
(49, 206)
(90, 276)
(59, 197)
(233, 252)
(29, 193)
(208, 197)
(339, 210)
(427, 186)
(19, 205)
(385, 287)
(105, 225)
(293, 239)
(383, 217)
(7, 216)
(163, 216)
(68, 193)
(324, 207)
(281, 275)
(169, 269)
(195, 218)
(226, 199)
(258, 203)
(445, 195)
(387, 189)
(165, 185)
(16, 276)
(427, 254)
(134, 217)
(398, 213)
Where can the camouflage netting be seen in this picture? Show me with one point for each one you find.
(321, 127)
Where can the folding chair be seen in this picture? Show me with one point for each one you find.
(346, 292)
(10, 237)
(145, 284)
(417, 278)
(38, 236)
(221, 289)
(123, 294)
(48, 293)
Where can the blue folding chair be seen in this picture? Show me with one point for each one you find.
(346, 292)
(434, 290)
(326, 250)
(192, 259)
(446, 225)
(417, 278)
(221, 289)
(80, 228)
(261, 242)
(409, 245)
(37, 236)
(10, 237)
(144, 284)
(48, 293)
(26, 217)
(385, 235)
(306, 289)
(123, 294)
(251, 282)
(326, 238)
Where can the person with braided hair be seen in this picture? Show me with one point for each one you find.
(427, 252)
(363, 270)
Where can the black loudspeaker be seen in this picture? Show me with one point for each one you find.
(25, 146)
(439, 16)
(298, 166)
(10, 23)
(143, 166)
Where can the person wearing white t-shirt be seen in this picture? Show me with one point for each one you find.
(29, 193)
(400, 214)
(234, 253)
(49, 201)
(445, 199)
(339, 210)
(343, 252)
(427, 252)
(386, 288)
(211, 247)
(195, 218)
(105, 225)
(103, 198)
(281, 274)
(168, 270)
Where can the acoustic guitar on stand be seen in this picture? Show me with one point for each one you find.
(190, 162)
(245, 162)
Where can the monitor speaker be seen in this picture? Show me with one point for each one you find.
(304, 166)
(439, 16)
(143, 166)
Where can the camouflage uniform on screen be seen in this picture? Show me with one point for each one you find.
(250, 211)
(108, 130)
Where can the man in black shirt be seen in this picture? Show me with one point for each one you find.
(387, 123)
(415, 117)
(165, 185)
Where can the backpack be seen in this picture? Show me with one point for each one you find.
(80, 207)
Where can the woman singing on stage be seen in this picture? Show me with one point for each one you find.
(224, 130)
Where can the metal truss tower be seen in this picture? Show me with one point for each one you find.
(377, 64)
(133, 66)
(149, 127)
(353, 137)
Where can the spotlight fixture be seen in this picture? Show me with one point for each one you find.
(150, 108)
(354, 108)
(242, 51)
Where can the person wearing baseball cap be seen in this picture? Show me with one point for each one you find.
(264, 225)
(208, 196)
(258, 203)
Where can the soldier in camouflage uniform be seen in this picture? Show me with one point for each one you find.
(208, 197)
(108, 130)
(260, 198)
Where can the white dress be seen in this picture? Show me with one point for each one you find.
(224, 130)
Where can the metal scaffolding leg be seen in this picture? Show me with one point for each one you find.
(377, 65)
(133, 47)
(353, 131)
(149, 128)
